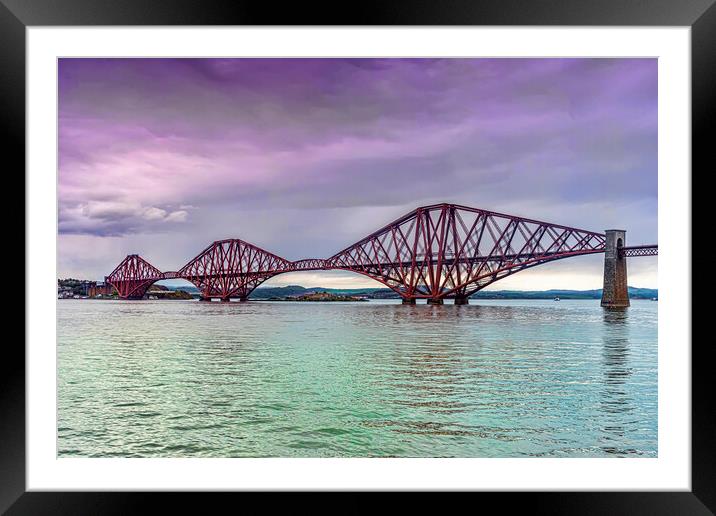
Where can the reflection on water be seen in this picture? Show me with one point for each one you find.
(617, 405)
(493, 379)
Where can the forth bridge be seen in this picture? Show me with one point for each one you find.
(437, 252)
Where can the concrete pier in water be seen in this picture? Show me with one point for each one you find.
(615, 293)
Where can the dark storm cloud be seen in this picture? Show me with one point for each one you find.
(195, 147)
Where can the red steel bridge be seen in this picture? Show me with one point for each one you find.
(434, 252)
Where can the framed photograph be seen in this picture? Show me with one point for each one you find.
(442, 248)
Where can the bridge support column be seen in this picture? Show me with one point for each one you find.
(408, 300)
(615, 293)
(462, 301)
(243, 299)
(205, 299)
(435, 301)
(225, 299)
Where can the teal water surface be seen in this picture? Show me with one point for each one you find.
(368, 379)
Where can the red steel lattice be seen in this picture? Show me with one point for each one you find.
(639, 250)
(133, 276)
(450, 250)
(438, 251)
(232, 268)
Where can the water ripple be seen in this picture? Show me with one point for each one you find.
(378, 379)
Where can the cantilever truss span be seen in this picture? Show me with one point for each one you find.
(434, 252)
(449, 250)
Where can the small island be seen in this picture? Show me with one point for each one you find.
(161, 292)
(319, 296)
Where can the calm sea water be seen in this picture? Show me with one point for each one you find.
(491, 379)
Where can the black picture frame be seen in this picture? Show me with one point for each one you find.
(17, 15)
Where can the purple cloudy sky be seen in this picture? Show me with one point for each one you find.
(305, 156)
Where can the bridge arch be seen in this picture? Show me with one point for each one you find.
(379, 282)
(177, 283)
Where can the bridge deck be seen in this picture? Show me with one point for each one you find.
(445, 261)
(639, 250)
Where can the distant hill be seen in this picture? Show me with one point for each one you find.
(386, 293)
(297, 290)
(634, 293)
(79, 287)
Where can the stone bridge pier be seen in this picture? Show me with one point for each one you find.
(615, 293)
